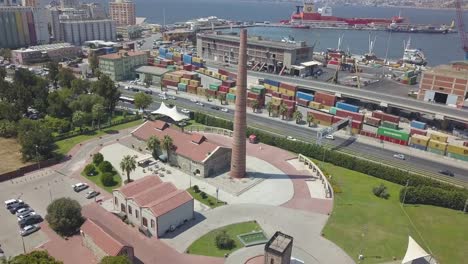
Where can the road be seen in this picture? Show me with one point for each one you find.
(378, 154)
(441, 111)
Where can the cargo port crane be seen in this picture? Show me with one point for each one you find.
(461, 27)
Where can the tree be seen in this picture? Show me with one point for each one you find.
(98, 158)
(3, 73)
(153, 144)
(255, 105)
(64, 216)
(85, 102)
(98, 113)
(5, 53)
(79, 119)
(36, 140)
(105, 87)
(89, 170)
(224, 241)
(148, 80)
(310, 118)
(297, 116)
(8, 128)
(115, 260)
(107, 179)
(65, 77)
(269, 107)
(142, 100)
(167, 145)
(58, 102)
(93, 62)
(58, 125)
(80, 86)
(34, 257)
(282, 110)
(222, 98)
(105, 166)
(128, 164)
(53, 72)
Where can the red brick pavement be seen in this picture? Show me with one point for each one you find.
(256, 260)
(147, 250)
(279, 158)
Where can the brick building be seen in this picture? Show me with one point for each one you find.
(122, 12)
(154, 206)
(445, 84)
(192, 153)
(279, 249)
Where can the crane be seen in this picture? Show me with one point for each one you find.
(461, 27)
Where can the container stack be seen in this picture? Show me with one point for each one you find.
(386, 117)
(288, 90)
(348, 114)
(291, 107)
(372, 121)
(347, 107)
(320, 117)
(271, 86)
(303, 99)
(393, 135)
(409, 77)
(197, 62)
(326, 100)
(231, 97)
(356, 126)
(317, 105)
(419, 142)
(437, 147)
(391, 125)
(171, 80)
(201, 91)
(457, 152)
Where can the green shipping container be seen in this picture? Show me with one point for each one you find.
(391, 125)
(214, 87)
(436, 151)
(182, 85)
(393, 133)
(333, 110)
(258, 89)
(230, 97)
(171, 67)
(409, 73)
(458, 156)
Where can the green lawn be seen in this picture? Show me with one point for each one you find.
(380, 228)
(209, 200)
(65, 145)
(97, 180)
(206, 245)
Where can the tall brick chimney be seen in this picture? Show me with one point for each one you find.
(240, 116)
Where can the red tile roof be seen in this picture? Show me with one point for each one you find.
(104, 239)
(197, 138)
(183, 144)
(170, 202)
(161, 125)
(154, 193)
(120, 54)
(140, 185)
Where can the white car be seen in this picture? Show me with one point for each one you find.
(23, 216)
(225, 110)
(200, 104)
(80, 186)
(185, 111)
(27, 230)
(331, 137)
(193, 100)
(24, 211)
(291, 138)
(11, 202)
(399, 156)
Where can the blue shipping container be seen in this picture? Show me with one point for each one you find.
(305, 96)
(187, 59)
(169, 55)
(418, 125)
(347, 107)
(416, 146)
(162, 52)
(273, 83)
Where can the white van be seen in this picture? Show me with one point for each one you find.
(11, 202)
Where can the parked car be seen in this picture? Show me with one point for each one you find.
(23, 216)
(30, 220)
(172, 97)
(331, 137)
(91, 194)
(11, 202)
(291, 138)
(215, 107)
(80, 187)
(225, 110)
(16, 207)
(193, 100)
(200, 104)
(24, 211)
(29, 229)
(447, 172)
(399, 156)
(185, 111)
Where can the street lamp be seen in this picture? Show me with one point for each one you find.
(24, 246)
(37, 158)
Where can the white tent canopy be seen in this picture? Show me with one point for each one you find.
(416, 254)
(170, 112)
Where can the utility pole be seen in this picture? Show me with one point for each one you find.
(24, 246)
(217, 191)
(406, 189)
(37, 158)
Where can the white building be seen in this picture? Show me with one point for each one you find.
(156, 207)
(43, 53)
(79, 31)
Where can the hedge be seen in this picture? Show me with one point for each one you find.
(316, 151)
(434, 196)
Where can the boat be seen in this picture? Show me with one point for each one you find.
(413, 56)
(306, 13)
(443, 29)
(301, 26)
(288, 39)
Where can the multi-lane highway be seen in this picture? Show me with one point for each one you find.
(371, 152)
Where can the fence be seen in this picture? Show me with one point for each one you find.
(314, 169)
(208, 129)
(29, 168)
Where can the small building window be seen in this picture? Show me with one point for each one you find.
(116, 201)
(145, 222)
(122, 208)
(136, 214)
(129, 209)
(272, 261)
(152, 223)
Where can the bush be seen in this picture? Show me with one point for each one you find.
(381, 191)
(8, 129)
(98, 158)
(107, 179)
(223, 241)
(203, 195)
(196, 189)
(106, 166)
(64, 216)
(434, 196)
(90, 170)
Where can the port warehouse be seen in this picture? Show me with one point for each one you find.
(276, 56)
(184, 75)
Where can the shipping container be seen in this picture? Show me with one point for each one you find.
(214, 87)
(315, 105)
(436, 151)
(276, 100)
(274, 88)
(393, 140)
(223, 88)
(230, 97)
(289, 87)
(305, 96)
(287, 97)
(272, 82)
(389, 124)
(254, 95)
(347, 107)
(418, 125)
(415, 131)
(419, 139)
(333, 110)
(372, 121)
(195, 82)
(229, 83)
(289, 103)
(192, 89)
(461, 150)
(302, 102)
(232, 90)
(258, 89)
(416, 146)
(185, 80)
(187, 59)
(355, 116)
(458, 156)
(392, 133)
(325, 99)
(321, 116)
(282, 90)
(368, 133)
(386, 117)
(437, 145)
(182, 87)
(439, 137)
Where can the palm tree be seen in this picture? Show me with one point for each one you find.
(255, 105)
(153, 144)
(297, 116)
(128, 164)
(310, 119)
(269, 107)
(221, 97)
(98, 113)
(282, 110)
(167, 145)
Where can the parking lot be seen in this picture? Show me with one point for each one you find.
(37, 190)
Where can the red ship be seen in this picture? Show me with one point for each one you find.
(307, 14)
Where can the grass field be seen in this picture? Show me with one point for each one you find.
(209, 200)
(97, 180)
(64, 146)
(10, 155)
(206, 245)
(380, 228)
